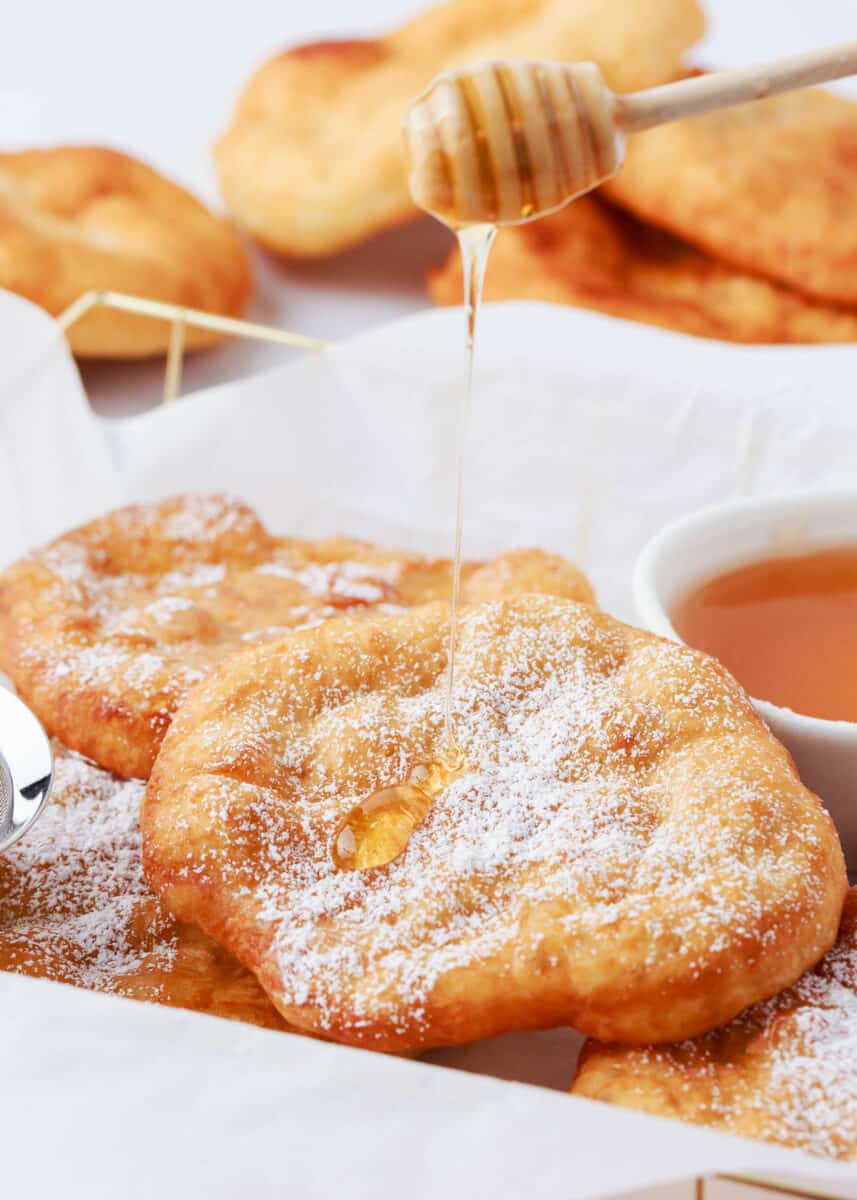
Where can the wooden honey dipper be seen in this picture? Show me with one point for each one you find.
(502, 142)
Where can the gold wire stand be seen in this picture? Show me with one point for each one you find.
(179, 318)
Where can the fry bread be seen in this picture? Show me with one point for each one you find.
(312, 162)
(769, 187)
(80, 218)
(784, 1071)
(626, 849)
(592, 255)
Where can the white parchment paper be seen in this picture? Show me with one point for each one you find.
(587, 434)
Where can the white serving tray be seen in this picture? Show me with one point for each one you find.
(587, 435)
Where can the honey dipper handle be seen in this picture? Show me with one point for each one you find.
(658, 106)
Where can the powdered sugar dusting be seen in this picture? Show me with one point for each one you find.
(785, 1070)
(126, 615)
(74, 904)
(614, 785)
(357, 582)
(115, 622)
(201, 518)
(813, 1084)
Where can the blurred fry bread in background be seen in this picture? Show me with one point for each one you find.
(770, 187)
(312, 162)
(80, 218)
(593, 256)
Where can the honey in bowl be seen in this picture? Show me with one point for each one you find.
(785, 627)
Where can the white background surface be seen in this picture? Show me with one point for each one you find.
(159, 79)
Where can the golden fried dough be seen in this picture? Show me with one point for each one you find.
(627, 850)
(313, 161)
(770, 187)
(80, 218)
(784, 1070)
(591, 255)
(75, 907)
(104, 631)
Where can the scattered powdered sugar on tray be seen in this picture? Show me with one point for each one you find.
(74, 904)
(615, 785)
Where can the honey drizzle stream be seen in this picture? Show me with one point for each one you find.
(376, 830)
(474, 242)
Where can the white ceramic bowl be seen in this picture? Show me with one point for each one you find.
(715, 540)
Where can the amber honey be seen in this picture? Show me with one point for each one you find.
(785, 627)
(377, 830)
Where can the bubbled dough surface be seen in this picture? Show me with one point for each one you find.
(104, 631)
(629, 851)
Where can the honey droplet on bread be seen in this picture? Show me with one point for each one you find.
(377, 830)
